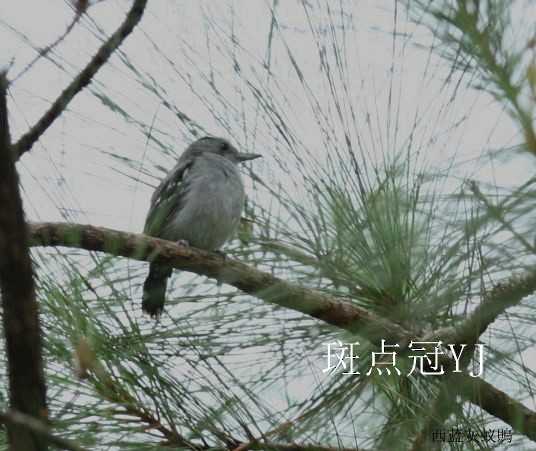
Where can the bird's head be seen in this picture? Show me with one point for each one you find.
(222, 148)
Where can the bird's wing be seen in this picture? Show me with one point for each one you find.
(166, 199)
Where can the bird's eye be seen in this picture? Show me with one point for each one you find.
(223, 148)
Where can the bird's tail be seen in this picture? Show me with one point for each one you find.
(154, 289)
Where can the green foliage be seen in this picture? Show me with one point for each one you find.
(365, 194)
(484, 40)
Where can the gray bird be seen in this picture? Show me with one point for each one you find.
(198, 203)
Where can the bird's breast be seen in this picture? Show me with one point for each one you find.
(211, 207)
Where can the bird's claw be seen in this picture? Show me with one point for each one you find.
(222, 254)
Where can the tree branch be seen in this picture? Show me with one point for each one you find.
(244, 277)
(116, 394)
(505, 294)
(332, 310)
(27, 140)
(27, 390)
(14, 418)
(298, 447)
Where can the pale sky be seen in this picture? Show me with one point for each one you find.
(70, 174)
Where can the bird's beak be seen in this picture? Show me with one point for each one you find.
(248, 156)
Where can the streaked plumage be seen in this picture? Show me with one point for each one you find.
(200, 201)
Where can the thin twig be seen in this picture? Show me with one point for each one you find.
(495, 212)
(116, 394)
(79, 11)
(27, 140)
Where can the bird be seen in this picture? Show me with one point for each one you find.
(199, 203)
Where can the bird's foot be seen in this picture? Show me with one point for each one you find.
(183, 243)
(222, 254)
